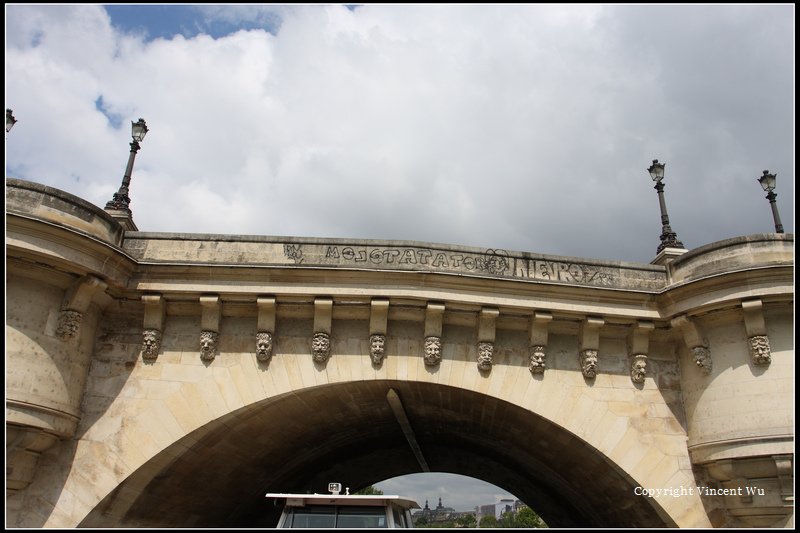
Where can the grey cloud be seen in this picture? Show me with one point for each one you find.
(526, 128)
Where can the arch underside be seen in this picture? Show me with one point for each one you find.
(299, 442)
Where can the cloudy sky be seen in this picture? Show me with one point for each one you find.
(459, 492)
(517, 127)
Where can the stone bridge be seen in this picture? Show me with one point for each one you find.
(171, 380)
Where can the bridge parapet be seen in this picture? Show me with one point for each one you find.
(409, 256)
(48, 204)
(740, 253)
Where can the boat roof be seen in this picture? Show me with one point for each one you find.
(301, 500)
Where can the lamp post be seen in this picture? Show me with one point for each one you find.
(121, 199)
(10, 120)
(668, 237)
(767, 182)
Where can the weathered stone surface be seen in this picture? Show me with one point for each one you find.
(31, 199)
(391, 255)
(143, 440)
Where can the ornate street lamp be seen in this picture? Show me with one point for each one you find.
(767, 182)
(10, 120)
(121, 200)
(668, 237)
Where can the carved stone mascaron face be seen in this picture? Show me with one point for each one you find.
(638, 369)
(589, 363)
(320, 346)
(377, 347)
(208, 344)
(263, 345)
(537, 359)
(433, 350)
(151, 339)
(485, 352)
(760, 349)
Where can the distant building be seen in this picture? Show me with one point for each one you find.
(440, 514)
(497, 509)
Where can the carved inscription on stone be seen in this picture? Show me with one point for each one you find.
(485, 352)
(569, 272)
(377, 348)
(433, 351)
(151, 343)
(263, 346)
(69, 321)
(537, 359)
(491, 262)
(208, 345)
(321, 347)
(760, 350)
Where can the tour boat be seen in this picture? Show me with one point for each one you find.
(343, 511)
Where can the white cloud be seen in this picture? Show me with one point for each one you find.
(518, 127)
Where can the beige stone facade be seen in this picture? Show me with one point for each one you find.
(172, 380)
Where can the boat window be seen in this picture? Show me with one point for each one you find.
(330, 516)
(399, 517)
(359, 517)
(321, 516)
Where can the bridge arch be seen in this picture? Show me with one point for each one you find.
(218, 474)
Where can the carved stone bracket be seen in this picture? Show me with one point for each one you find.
(590, 345)
(434, 314)
(75, 304)
(784, 467)
(266, 328)
(153, 325)
(24, 446)
(638, 347)
(756, 328)
(538, 341)
(321, 340)
(378, 320)
(486, 336)
(759, 490)
(209, 324)
(695, 341)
